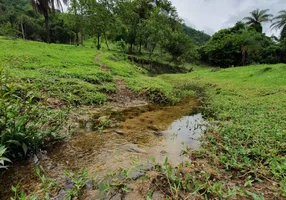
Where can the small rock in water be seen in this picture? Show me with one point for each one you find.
(35, 159)
(153, 127)
(119, 132)
(158, 195)
(136, 174)
(62, 195)
(118, 196)
(158, 133)
(90, 126)
(89, 185)
(133, 148)
(92, 195)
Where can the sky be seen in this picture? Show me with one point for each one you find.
(212, 15)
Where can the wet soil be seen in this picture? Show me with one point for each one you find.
(123, 95)
(133, 134)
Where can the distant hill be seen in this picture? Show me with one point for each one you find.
(198, 37)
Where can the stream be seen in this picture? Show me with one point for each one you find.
(133, 134)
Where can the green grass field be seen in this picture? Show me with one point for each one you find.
(70, 73)
(248, 103)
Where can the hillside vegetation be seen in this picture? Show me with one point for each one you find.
(119, 55)
(247, 104)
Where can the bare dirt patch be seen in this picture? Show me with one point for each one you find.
(123, 96)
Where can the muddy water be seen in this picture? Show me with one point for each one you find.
(135, 135)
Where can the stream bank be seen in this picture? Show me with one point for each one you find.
(109, 139)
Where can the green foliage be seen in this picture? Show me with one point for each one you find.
(180, 47)
(257, 17)
(198, 37)
(64, 72)
(250, 104)
(79, 180)
(2, 158)
(21, 195)
(24, 122)
(279, 23)
(197, 184)
(47, 183)
(239, 46)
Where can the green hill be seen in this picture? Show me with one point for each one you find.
(198, 37)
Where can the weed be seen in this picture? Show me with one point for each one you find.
(24, 122)
(21, 195)
(79, 180)
(47, 183)
(2, 158)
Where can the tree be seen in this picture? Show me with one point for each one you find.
(257, 17)
(178, 45)
(45, 7)
(239, 45)
(279, 22)
(101, 19)
(198, 37)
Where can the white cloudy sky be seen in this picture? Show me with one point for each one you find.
(213, 15)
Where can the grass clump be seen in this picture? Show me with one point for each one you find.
(25, 123)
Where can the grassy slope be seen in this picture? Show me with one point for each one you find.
(250, 103)
(61, 71)
(70, 73)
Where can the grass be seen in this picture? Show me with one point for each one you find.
(154, 88)
(71, 74)
(250, 105)
(59, 71)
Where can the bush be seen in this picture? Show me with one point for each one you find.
(2, 158)
(24, 122)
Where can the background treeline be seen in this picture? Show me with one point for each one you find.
(144, 26)
(137, 26)
(245, 43)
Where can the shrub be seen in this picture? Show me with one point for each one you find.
(24, 122)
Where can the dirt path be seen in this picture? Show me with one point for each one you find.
(123, 96)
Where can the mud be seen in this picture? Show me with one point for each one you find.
(133, 135)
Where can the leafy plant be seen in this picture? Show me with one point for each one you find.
(21, 195)
(2, 158)
(24, 122)
(47, 183)
(79, 180)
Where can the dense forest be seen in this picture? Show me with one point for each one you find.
(142, 25)
(136, 26)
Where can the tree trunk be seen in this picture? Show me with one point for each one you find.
(140, 45)
(152, 50)
(98, 41)
(131, 48)
(47, 27)
(76, 39)
(106, 41)
(82, 36)
(22, 29)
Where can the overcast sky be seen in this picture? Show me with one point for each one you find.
(212, 15)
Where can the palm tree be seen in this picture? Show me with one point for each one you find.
(45, 7)
(280, 23)
(257, 17)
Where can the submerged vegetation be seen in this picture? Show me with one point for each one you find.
(114, 54)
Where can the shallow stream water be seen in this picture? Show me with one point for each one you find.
(136, 134)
